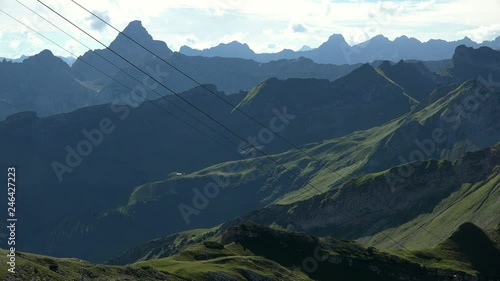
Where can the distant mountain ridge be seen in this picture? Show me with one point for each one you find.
(337, 51)
(68, 60)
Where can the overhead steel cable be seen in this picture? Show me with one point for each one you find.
(210, 91)
(182, 98)
(201, 111)
(122, 70)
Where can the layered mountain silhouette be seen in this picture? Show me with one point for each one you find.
(337, 51)
(125, 48)
(68, 60)
(43, 83)
(231, 75)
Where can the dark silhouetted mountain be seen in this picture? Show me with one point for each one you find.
(43, 83)
(68, 60)
(229, 74)
(416, 78)
(329, 50)
(233, 50)
(336, 50)
(475, 63)
(125, 48)
(471, 244)
(434, 182)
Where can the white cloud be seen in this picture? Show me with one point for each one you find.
(259, 23)
(34, 40)
(482, 33)
(97, 24)
(14, 44)
(238, 36)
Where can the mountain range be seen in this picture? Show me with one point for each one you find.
(68, 60)
(116, 79)
(337, 51)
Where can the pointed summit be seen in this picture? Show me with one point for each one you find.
(334, 40)
(361, 75)
(232, 49)
(125, 47)
(471, 63)
(137, 32)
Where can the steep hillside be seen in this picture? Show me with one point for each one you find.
(320, 258)
(245, 185)
(36, 267)
(254, 252)
(462, 120)
(45, 84)
(471, 202)
(360, 100)
(125, 48)
(474, 63)
(436, 197)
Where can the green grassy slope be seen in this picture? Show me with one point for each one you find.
(258, 253)
(257, 183)
(323, 258)
(475, 202)
(37, 267)
(433, 202)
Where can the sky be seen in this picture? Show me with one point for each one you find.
(265, 25)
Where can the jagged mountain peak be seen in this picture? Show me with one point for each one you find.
(126, 48)
(43, 55)
(335, 40)
(234, 43)
(471, 63)
(380, 38)
(136, 31)
(471, 243)
(46, 59)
